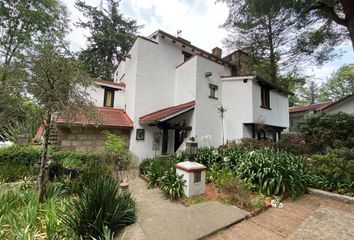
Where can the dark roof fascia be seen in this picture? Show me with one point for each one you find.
(190, 46)
(268, 83)
(266, 125)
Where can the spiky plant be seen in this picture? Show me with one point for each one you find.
(100, 204)
(172, 184)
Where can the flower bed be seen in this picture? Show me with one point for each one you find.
(239, 176)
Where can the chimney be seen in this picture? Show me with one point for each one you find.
(216, 52)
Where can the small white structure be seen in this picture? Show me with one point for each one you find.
(194, 175)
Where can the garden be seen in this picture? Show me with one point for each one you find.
(255, 172)
(84, 199)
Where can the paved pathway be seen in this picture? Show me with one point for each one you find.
(310, 217)
(159, 218)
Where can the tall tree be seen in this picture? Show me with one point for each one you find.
(270, 31)
(339, 85)
(58, 85)
(309, 94)
(325, 12)
(22, 24)
(111, 36)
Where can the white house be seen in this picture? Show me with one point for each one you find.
(167, 89)
(297, 113)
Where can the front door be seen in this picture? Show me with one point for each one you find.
(180, 135)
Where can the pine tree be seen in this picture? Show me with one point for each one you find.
(111, 37)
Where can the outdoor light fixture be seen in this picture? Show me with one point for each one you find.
(191, 148)
(208, 74)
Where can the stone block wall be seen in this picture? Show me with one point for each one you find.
(88, 138)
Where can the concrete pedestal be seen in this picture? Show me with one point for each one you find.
(194, 175)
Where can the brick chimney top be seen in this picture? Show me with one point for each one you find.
(216, 52)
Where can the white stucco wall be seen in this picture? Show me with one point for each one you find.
(238, 100)
(154, 80)
(278, 115)
(207, 119)
(186, 77)
(150, 86)
(346, 106)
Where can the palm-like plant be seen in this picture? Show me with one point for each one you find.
(100, 204)
(222, 110)
(172, 184)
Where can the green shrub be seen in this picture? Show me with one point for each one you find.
(236, 192)
(333, 130)
(117, 152)
(101, 204)
(333, 171)
(235, 155)
(12, 172)
(26, 155)
(17, 162)
(172, 185)
(208, 156)
(71, 159)
(274, 172)
(23, 217)
(253, 143)
(294, 143)
(144, 165)
(157, 169)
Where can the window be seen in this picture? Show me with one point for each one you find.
(197, 177)
(213, 91)
(265, 97)
(108, 97)
(186, 55)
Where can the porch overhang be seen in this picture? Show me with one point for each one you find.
(274, 129)
(166, 114)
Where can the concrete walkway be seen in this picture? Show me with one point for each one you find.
(309, 217)
(159, 218)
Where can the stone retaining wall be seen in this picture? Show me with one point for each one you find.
(87, 139)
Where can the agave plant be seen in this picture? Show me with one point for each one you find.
(274, 172)
(172, 184)
(100, 204)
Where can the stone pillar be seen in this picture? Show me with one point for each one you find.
(194, 176)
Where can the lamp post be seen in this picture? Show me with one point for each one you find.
(191, 148)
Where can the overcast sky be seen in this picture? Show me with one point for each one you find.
(199, 21)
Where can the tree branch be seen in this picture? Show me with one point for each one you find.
(330, 12)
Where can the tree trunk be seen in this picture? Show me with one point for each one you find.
(273, 62)
(222, 129)
(42, 178)
(348, 8)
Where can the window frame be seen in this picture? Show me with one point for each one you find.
(265, 97)
(213, 88)
(106, 89)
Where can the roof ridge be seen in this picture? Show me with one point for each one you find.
(164, 109)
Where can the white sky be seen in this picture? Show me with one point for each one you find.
(199, 21)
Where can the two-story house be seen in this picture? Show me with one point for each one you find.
(167, 89)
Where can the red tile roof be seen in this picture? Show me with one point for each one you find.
(166, 112)
(110, 117)
(40, 131)
(310, 107)
(339, 101)
(118, 84)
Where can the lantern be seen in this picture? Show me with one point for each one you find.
(191, 148)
